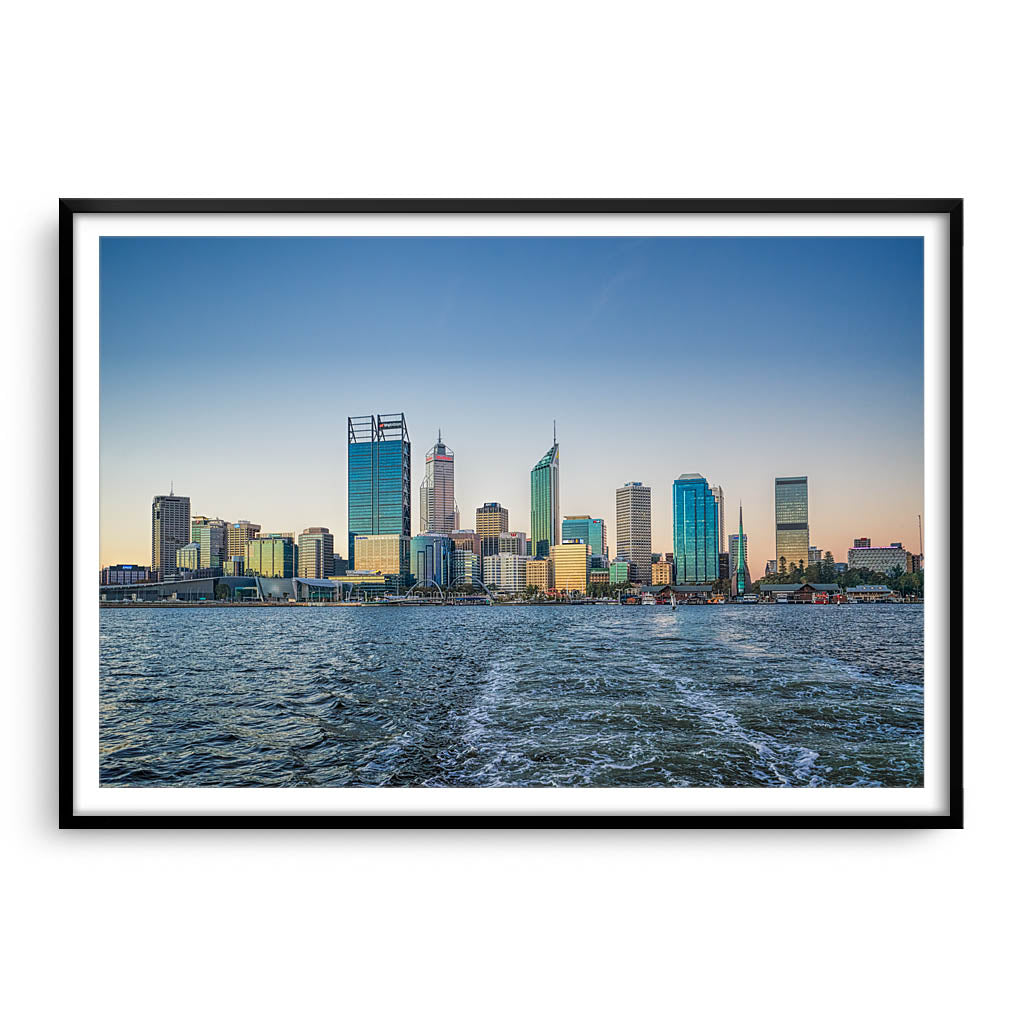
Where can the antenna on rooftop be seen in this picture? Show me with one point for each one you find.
(554, 431)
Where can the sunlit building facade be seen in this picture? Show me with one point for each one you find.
(661, 573)
(431, 559)
(545, 515)
(720, 502)
(695, 532)
(792, 532)
(465, 567)
(379, 478)
(187, 557)
(491, 522)
(540, 573)
(238, 536)
(385, 553)
(513, 542)
(212, 537)
(171, 529)
(466, 540)
(572, 566)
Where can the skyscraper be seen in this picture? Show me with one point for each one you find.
(316, 553)
(545, 516)
(172, 521)
(379, 477)
(431, 559)
(491, 522)
(734, 543)
(720, 501)
(633, 527)
(695, 530)
(437, 492)
(792, 535)
(739, 577)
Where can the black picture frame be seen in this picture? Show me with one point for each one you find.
(951, 208)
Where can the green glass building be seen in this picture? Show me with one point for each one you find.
(545, 519)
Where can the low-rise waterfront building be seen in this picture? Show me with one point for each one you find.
(692, 593)
(120, 574)
(868, 593)
(800, 593)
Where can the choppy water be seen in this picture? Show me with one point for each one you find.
(512, 696)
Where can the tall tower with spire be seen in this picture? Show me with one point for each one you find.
(740, 582)
(437, 492)
(545, 512)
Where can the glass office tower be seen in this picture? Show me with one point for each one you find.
(694, 529)
(590, 531)
(431, 559)
(379, 474)
(792, 534)
(545, 519)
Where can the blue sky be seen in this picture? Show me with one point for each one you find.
(230, 365)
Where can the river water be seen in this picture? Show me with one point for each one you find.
(768, 695)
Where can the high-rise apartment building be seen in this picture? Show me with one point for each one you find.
(212, 537)
(633, 527)
(545, 516)
(271, 554)
(571, 562)
(316, 553)
(379, 478)
(592, 531)
(695, 532)
(172, 522)
(720, 502)
(437, 492)
(238, 536)
(792, 533)
(491, 522)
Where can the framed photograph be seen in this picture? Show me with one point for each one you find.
(512, 513)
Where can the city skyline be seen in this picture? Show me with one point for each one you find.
(751, 317)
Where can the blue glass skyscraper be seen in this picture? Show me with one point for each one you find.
(694, 529)
(431, 559)
(590, 531)
(379, 477)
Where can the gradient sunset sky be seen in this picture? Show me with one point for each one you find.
(230, 365)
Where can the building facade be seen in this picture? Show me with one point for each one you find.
(171, 529)
(465, 567)
(695, 530)
(661, 573)
(545, 514)
(513, 542)
(383, 553)
(379, 477)
(437, 492)
(238, 536)
(540, 574)
(187, 557)
(466, 540)
(271, 554)
(431, 559)
(591, 531)
(316, 553)
(212, 537)
(633, 527)
(119, 575)
(505, 572)
(895, 556)
(621, 570)
(491, 522)
(571, 566)
(792, 531)
(739, 576)
(720, 502)
(734, 549)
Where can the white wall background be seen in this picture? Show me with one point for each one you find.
(594, 99)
